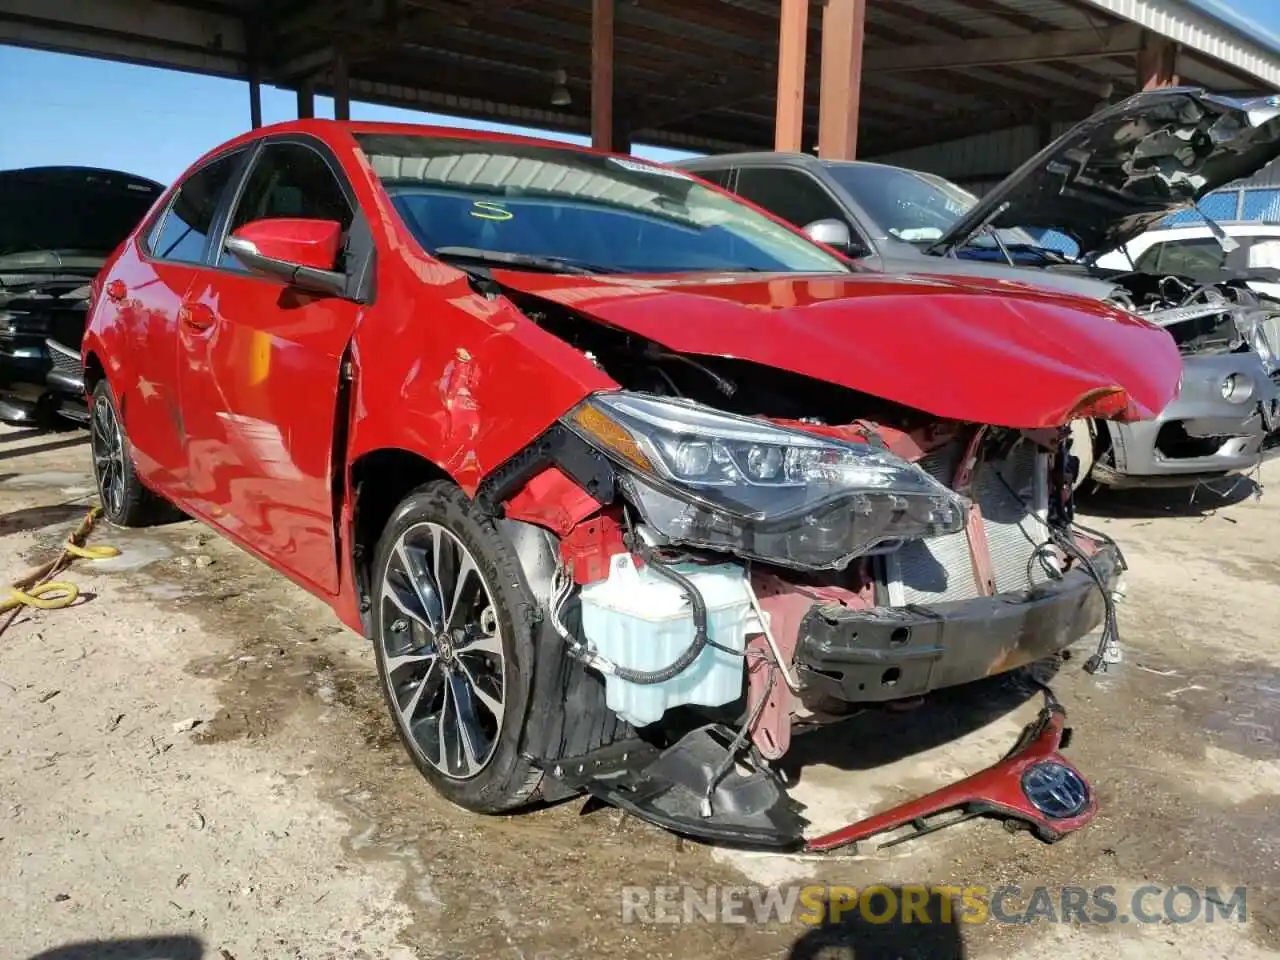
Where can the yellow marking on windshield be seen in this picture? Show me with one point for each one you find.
(484, 210)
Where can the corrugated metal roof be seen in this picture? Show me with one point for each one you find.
(1209, 27)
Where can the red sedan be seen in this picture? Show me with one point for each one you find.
(621, 475)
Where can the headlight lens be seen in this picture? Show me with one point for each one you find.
(1237, 387)
(706, 478)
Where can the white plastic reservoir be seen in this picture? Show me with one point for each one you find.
(638, 619)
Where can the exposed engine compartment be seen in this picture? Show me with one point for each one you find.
(1202, 317)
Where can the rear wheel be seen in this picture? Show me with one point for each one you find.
(454, 648)
(125, 501)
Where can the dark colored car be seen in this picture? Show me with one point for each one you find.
(620, 475)
(58, 225)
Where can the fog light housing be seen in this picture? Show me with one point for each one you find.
(1055, 789)
(1237, 387)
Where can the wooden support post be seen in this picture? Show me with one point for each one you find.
(843, 25)
(793, 30)
(255, 100)
(602, 53)
(306, 100)
(341, 87)
(1157, 62)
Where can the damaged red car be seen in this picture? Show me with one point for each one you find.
(623, 477)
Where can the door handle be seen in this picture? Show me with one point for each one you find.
(196, 316)
(116, 290)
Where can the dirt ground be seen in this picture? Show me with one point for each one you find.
(195, 764)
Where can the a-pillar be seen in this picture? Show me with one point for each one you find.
(793, 29)
(843, 26)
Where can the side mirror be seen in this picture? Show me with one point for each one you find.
(301, 253)
(832, 232)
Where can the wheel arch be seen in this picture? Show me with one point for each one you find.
(379, 480)
(94, 371)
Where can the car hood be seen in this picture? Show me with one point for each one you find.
(1082, 286)
(1118, 173)
(68, 219)
(993, 352)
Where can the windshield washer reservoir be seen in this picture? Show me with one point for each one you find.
(637, 619)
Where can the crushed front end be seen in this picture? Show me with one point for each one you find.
(1226, 417)
(730, 579)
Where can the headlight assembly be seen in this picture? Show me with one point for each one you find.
(710, 479)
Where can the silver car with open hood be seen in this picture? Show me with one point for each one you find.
(1104, 182)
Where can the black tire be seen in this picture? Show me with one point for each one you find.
(506, 780)
(135, 505)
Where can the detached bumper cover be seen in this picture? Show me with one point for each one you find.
(1033, 787)
(893, 652)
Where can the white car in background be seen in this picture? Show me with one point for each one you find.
(1194, 251)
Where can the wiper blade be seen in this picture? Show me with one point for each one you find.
(529, 261)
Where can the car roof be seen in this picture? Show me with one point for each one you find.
(788, 158)
(1225, 224)
(759, 156)
(334, 132)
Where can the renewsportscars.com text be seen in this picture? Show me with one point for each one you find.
(937, 903)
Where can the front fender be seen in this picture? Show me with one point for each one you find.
(462, 379)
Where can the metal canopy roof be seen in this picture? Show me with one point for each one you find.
(698, 74)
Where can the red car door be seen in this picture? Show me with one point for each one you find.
(143, 298)
(259, 368)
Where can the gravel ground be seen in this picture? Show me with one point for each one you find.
(195, 765)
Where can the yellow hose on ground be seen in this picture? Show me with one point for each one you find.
(37, 589)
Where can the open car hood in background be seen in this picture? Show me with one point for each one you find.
(1118, 173)
(67, 219)
(984, 351)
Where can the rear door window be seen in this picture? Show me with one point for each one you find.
(182, 235)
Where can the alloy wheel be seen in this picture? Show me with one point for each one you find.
(442, 655)
(108, 455)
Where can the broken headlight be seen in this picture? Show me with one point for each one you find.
(711, 479)
(1257, 328)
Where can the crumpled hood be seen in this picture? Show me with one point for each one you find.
(994, 352)
(1118, 173)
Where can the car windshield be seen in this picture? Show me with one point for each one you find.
(535, 206)
(85, 212)
(913, 206)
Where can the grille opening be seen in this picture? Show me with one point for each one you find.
(1012, 494)
(1174, 443)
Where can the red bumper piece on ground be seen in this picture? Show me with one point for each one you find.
(1034, 787)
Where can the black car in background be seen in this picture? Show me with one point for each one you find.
(58, 225)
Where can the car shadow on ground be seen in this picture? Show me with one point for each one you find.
(38, 518)
(878, 928)
(879, 736)
(1194, 501)
(57, 441)
(152, 948)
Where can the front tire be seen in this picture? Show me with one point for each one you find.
(125, 501)
(454, 648)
